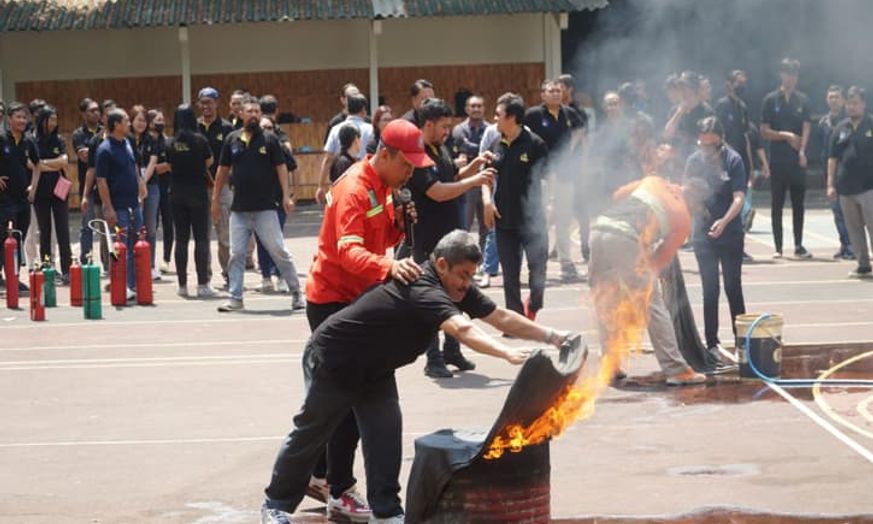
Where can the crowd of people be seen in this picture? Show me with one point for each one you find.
(402, 196)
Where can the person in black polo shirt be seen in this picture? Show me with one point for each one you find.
(436, 192)
(216, 130)
(850, 175)
(681, 129)
(260, 180)
(18, 158)
(353, 355)
(82, 136)
(785, 123)
(53, 159)
(236, 117)
(419, 91)
(559, 126)
(823, 132)
(90, 196)
(516, 209)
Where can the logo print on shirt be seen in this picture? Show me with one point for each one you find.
(262, 150)
(523, 157)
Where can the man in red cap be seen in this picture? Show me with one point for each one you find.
(360, 224)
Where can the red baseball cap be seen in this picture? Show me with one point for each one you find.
(404, 136)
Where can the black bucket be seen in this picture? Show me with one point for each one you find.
(765, 348)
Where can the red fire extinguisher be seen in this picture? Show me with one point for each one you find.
(37, 304)
(75, 283)
(142, 261)
(10, 266)
(118, 271)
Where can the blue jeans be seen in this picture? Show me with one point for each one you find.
(151, 205)
(840, 222)
(492, 260)
(130, 222)
(265, 225)
(268, 267)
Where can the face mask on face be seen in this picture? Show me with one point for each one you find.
(159, 128)
(740, 91)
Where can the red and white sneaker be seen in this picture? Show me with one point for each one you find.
(318, 489)
(349, 506)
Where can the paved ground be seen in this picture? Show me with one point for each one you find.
(173, 413)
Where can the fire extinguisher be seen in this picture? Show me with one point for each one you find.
(93, 306)
(118, 271)
(37, 306)
(10, 266)
(49, 290)
(75, 283)
(142, 261)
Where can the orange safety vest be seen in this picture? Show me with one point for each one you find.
(357, 230)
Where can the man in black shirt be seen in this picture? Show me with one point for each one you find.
(353, 357)
(850, 175)
(419, 91)
(216, 130)
(82, 136)
(836, 100)
(347, 90)
(560, 127)
(516, 209)
(260, 180)
(236, 117)
(734, 116)
(436, 192)
(785, 123)
(18, 158)
(681, 129)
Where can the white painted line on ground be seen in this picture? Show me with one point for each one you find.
(216, 440)
(155, 345)
(149, 359)
(155, 364)
(220, 318)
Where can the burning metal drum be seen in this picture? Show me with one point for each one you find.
(501, 476)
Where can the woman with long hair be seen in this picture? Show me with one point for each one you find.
(381, 117)
(147, 159)
(46, 204)
(189, 157)
(156, 125)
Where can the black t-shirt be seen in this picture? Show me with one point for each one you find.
(390, 325)
(853, 149)
(340, 165)
(215, 134)
(412, 116)
(187, 158)
(13, 164)
(553, 130)
(435, 219)
(93, 144)
(722, 181)
(49, 147)
(146, 147)
(81, 138)
(337, 119)
(785, 116)
(518, 196)
(734, 116)
(253, 175)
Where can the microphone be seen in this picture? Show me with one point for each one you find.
(405, 197)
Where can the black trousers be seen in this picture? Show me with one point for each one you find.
(787, 178)
(166, 214)
(337, 462)
(730, 258)
(19, 215)
(534, 243)
(45, 209)
(375, 404)
(191, 214)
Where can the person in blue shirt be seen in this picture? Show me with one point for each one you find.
(717, 235)
(121, 188)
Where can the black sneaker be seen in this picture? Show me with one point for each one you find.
(849, 254)
(459, 361)
(861, 272)
(747, 257)
(23, 287)
(437, 370)
(568, 272)
(801, 252)
(840, 254)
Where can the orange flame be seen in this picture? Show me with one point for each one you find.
(622, 310)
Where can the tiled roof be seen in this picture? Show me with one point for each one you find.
(53, 15)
